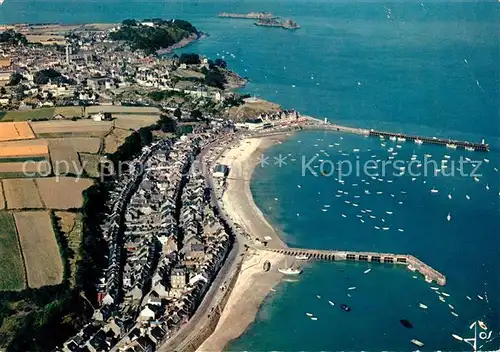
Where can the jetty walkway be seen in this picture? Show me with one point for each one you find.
(411, 262)
(310, 123)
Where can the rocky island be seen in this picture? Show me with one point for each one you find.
(250, 15)
(275, 22)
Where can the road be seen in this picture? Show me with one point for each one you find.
(183, 337)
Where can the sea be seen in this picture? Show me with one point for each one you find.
(426, 68)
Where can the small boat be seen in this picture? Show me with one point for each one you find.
(314, 318)
(467, 196)
(367, 271)
(469, 149)
(454, 314)
(482, 325)
(392, 138)
(406, 323)
(434, 288)
(448, 217)
(451, 145)
(456, 337)
(389, 212)
(355, 150)
(345, 307)
(470, 299)
(401, 230)
(441, 299)
(401, 139)
(423, 306)
(318, 296)
(487, 187)
(309, 314)
(351, 288)
(302, 257)
(289, 270)
(451, 307)
(417, 342)
(486, 160)
(331, 303)
(418, 141)
(344, 216)
(445, 294)
(449, 196)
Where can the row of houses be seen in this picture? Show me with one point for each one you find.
(184, 274)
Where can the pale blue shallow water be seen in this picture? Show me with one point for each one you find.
(431, 69)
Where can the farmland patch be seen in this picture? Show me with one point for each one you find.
(62, 192)
(22, 193)
(12, 276)
(40, 249)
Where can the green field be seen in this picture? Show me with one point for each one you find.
(11, 266)
(45, 113)
(22, 160)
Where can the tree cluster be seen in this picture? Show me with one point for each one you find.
(151, 39)
(189, 59)
(15, 79)
(13, 38)
(49, 74)
(215, 78)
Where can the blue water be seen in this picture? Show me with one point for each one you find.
(432, 69)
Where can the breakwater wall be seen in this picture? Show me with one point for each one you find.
(411, 262)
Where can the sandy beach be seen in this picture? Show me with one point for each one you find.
(253, 284)
(237, 199)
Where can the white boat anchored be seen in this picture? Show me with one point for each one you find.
(451, 145)
(302, 257)
(423, 306)
(419, 141)
(289, 270)
(469, 149)
(434, 190)
(401, 139)
(448, 217)
(417, 342)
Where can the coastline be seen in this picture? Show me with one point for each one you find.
(253, 284)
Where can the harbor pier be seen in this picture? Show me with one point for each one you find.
(450, 143)
(411, 262)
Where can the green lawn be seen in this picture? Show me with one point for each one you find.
(11, 266)
(23, 160)
(45, 113)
